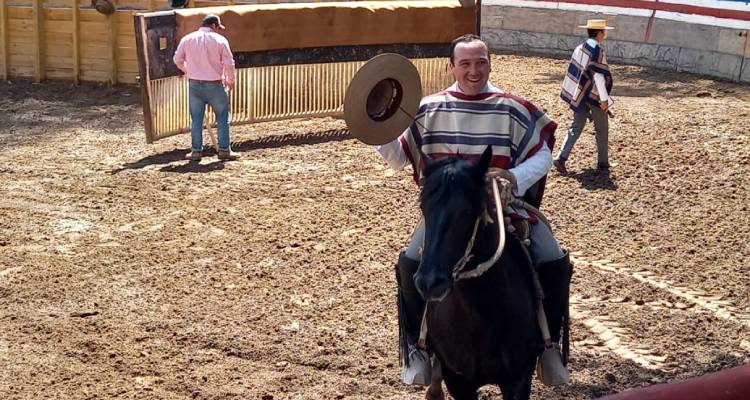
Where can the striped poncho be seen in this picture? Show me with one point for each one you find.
(453, 124)
(588, 59)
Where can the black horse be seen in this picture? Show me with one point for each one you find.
(482, 330)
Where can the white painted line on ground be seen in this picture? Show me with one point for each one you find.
(723, 309)
(8, 271)
(616, 338)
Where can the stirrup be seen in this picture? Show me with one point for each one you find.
(550, 369)
(419, 370)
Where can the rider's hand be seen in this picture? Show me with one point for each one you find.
(500, 173)
(604, 105)
(229, 86)
(505, 192)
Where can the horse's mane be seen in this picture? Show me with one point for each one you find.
(446, 176)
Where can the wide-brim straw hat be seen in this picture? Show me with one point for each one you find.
(599, 24)
(382, 98)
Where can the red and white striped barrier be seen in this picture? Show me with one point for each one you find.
(730, 384)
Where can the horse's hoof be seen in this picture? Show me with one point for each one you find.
(434, 393)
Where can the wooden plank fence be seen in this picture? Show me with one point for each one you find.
(71, 41)
(74, 43)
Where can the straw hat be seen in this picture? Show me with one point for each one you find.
(599, 24)
(381, 99)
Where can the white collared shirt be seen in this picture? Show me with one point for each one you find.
(601, 87)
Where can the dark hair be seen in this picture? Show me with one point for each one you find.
(468, 38)
(211, 20)
(594, 32)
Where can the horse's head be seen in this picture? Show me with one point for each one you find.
(452, 199)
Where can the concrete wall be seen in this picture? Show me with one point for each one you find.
(721, 50)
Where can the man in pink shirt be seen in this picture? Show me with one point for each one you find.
(204, 56)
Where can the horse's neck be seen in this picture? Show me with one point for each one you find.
(486, 242)
(513, 266)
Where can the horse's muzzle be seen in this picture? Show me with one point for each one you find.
(432, 286)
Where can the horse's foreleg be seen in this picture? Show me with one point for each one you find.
(518, 390)
(459, 387)
(435, 391)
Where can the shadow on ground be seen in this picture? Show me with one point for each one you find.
(269, 142)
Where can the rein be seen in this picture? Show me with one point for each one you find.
(501, 198)
(458, 272)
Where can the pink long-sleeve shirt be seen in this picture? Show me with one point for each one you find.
(205, 55)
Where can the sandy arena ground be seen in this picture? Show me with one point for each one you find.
(128, 273)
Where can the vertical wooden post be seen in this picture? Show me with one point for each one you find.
(38, 22)
(141, 45)
(478, 5)
(112, 41)
(4, 39)
(76, 42)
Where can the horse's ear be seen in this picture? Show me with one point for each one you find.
(484, 162)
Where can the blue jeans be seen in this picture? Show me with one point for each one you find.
(200, 94)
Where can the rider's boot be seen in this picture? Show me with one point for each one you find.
(554, 276)
(415, 363)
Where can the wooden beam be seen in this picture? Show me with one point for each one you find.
(112, 42)
(478, 10)
(151, 5)
(141, 44)
(38, 23)
(76, 42)
(4, 39)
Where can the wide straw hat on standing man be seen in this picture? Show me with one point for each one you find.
(598, 24)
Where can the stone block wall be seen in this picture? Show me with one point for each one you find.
(719, 49)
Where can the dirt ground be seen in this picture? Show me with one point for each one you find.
(126, 272)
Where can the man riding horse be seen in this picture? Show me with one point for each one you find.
(462, 121)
